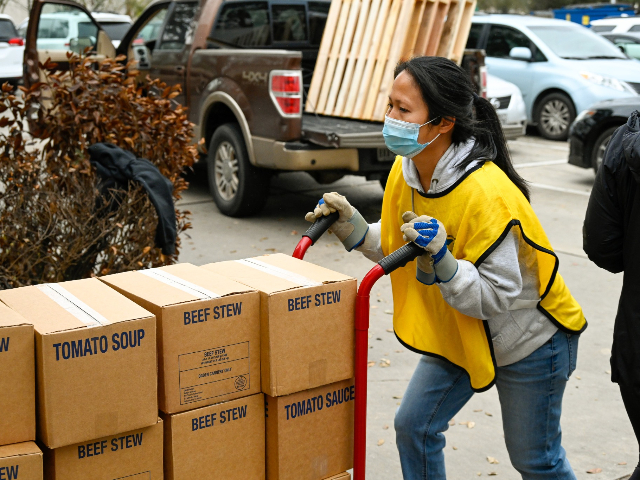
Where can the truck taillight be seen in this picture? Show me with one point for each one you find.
(285, 88)
(16, 42)
(483, 82)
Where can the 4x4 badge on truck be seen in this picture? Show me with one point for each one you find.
(255, 77)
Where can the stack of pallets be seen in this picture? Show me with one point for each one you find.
(365, 39)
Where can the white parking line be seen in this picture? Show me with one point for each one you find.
(539, 164)
(560, 189)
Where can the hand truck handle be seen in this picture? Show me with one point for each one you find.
(400, 257)
(321, 225)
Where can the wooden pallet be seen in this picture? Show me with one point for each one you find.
(363, 42)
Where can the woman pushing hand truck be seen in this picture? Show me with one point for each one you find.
(484, 304)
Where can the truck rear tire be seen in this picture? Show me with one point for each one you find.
(237, 187)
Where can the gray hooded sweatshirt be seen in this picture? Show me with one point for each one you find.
(503, 290)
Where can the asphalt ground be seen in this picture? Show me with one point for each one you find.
(596, 431)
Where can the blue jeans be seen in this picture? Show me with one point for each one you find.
(530, 393)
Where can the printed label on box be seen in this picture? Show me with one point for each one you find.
(136, 476)
(214, 372)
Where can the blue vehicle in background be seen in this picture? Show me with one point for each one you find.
(561, 68)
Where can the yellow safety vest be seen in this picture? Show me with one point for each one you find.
(478, 212)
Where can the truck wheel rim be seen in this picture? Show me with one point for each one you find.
(226, 171)
(555, 117)
(600, 152)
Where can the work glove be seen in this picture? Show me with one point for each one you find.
(350, 228)
(430, 234)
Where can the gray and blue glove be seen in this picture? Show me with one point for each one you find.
(437, 263)
(350, 228)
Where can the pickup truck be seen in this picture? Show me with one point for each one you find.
(245, 67)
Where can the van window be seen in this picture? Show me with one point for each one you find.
(53, 28)
(180, 24)
(7, 30)
(289, 23)
(635, 28)
(318, 13)
(244, 24)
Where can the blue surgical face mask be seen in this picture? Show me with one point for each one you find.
(402, 137)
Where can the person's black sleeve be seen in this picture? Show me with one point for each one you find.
(602, 234)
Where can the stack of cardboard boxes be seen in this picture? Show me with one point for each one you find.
(95, 358)
(213, 348)
(307, 363)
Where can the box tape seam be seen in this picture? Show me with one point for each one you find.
(280, 272)
(181, 284)
(73, 305)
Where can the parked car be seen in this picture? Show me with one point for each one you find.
(245, 67)
(11, 52)
(560, 67)
(628, 43)
(115, 26)
(507, 100)
(616, 24)
(590, 133)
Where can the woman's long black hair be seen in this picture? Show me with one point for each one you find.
(449, 93)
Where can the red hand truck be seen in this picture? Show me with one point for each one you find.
(395, 260)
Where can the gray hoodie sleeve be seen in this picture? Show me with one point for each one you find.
(372, 245)
(490, 290)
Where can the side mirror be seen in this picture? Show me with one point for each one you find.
(521, 53)
(151, 44)
(622, 49)
(142, 56)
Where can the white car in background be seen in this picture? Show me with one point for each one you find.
(63, 27)
(616, 25)
(11, 51)
(507, 99)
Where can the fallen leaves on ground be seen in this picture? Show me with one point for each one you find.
(452, 422)
(389, 312)
(478, 410)
(385, 362)
(622, 463)
(493, 474)
(595, 470)
(390, 330)
(294, 232)
(488, 414)
(455, 448)
(398, 397)
(385, 427)
(468, 424)
(492, 460)
(371, 364)
(381, 441)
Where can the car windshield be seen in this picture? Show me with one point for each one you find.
(576, 43)
(115, 30)
(7, 30)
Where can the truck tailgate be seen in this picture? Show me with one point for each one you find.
(341, 132)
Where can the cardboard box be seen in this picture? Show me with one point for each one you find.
(17, 379)
(21, 461)
(208, 333)
(134, 455)
(310, 433)
(225, 441)
(341, 476)
(307, 315)
(95, 360)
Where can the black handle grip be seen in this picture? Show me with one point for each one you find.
(400, 257)
(320, 226)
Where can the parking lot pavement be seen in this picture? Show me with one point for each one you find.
(596, 431)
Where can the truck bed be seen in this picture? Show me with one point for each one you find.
(341, 132)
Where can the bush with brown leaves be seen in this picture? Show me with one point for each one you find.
(54, 223)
